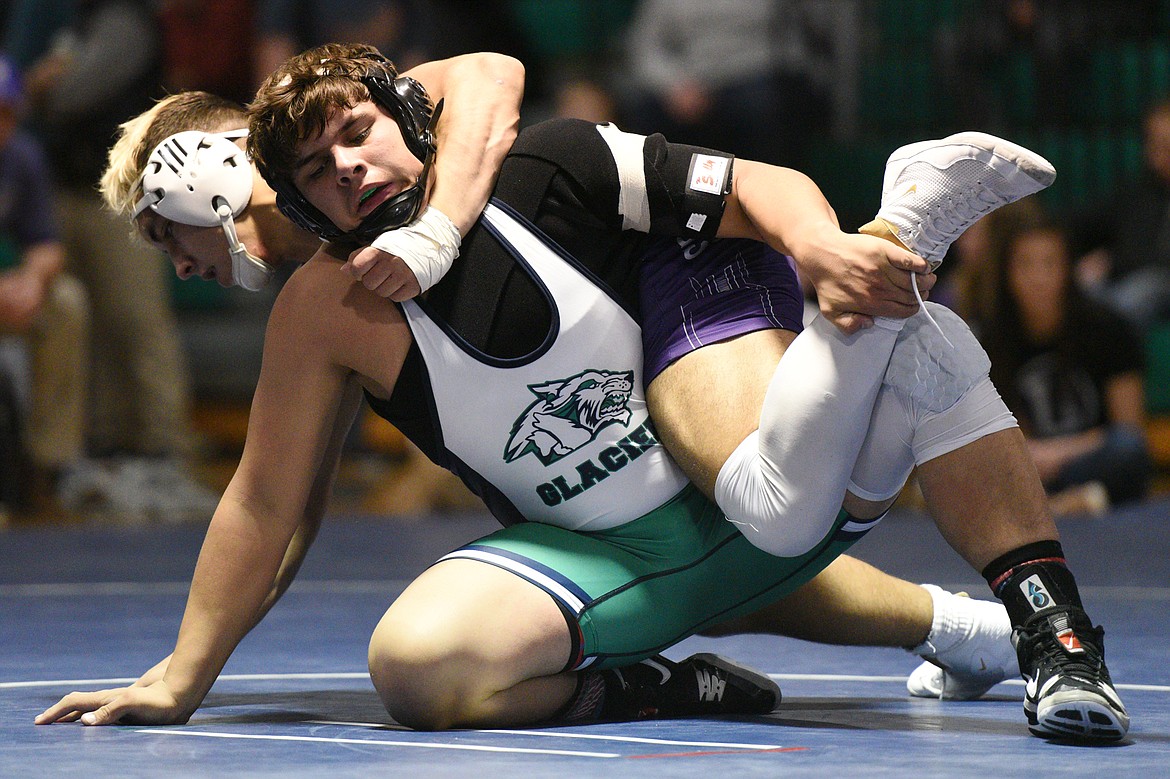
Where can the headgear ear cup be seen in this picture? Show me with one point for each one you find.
(188, 173)
(203, 179)
(302, 213)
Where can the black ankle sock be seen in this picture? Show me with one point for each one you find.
(1030, 578)
(612, 695)
(587, 703)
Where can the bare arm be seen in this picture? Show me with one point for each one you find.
(1125, 400)
(481, 114)
(856, 276)
(288, 458)
(306, 531)
(23, 289)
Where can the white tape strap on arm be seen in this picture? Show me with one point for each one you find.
(428, 246)
(627, 149)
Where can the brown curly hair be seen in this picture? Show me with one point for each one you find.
(295, 102)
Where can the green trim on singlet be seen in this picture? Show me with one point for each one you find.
(663, 577)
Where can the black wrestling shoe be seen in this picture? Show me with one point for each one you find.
(1069, 694)
(700, 686)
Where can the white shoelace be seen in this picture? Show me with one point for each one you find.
(925, 311)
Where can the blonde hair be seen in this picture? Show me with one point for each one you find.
(139, 136)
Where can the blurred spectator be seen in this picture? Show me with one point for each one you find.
(30, 26)
(728, 75)
(582, 97)
(103, 67)
(572, 48)
(400, 29)
(42, 304)
(207, 45)
(1127, 264)
(1071, 370)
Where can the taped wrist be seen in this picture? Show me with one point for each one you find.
(428, 246)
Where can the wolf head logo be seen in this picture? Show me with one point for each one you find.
(568, 413)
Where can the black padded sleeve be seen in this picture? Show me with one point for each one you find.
(686, 185)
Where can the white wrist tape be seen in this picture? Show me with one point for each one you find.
(428, 246)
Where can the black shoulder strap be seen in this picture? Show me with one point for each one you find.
(485, 267)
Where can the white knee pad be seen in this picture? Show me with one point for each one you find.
(936, 398)
(901, 437)
(928, 372)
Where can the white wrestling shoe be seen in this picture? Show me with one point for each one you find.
(934, 190)
(968, 652)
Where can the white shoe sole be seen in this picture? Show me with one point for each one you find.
(1009, 159)
(930, 681)
(1079, 715)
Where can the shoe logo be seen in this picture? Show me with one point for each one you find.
(1034, 691)
(660, 668)
(1030, 686)
(1069, 641)
(711, 686)
(910, 190)
(1035, 592)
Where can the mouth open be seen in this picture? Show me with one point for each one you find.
(371, 198)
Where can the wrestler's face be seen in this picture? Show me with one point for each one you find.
(194, 251)
(203, 251)
(357, 163)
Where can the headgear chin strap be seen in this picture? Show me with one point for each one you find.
(409, 104)
(203, 179)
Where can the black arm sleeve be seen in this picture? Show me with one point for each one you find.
(685, 186)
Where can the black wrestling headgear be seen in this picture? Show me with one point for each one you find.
(409, 104)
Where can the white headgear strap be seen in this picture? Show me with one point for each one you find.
(203, 179)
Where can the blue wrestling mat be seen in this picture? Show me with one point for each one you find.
(93, 607)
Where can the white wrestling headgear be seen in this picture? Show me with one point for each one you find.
(203, 179)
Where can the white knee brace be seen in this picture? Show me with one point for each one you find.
(927, 371)
(936, 398)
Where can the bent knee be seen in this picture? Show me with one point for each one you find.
(936, 359)
(417, 678)
(782, 541)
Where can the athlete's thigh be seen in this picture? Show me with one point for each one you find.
(705, 403)
(716, 318)
(633, 590)
(469, 609)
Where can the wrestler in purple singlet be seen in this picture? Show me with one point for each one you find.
(695, 293)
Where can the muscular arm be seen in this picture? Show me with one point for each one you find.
(246, 558)
(667, 189)
(316, 344)
(856, 276)
(481, 113)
